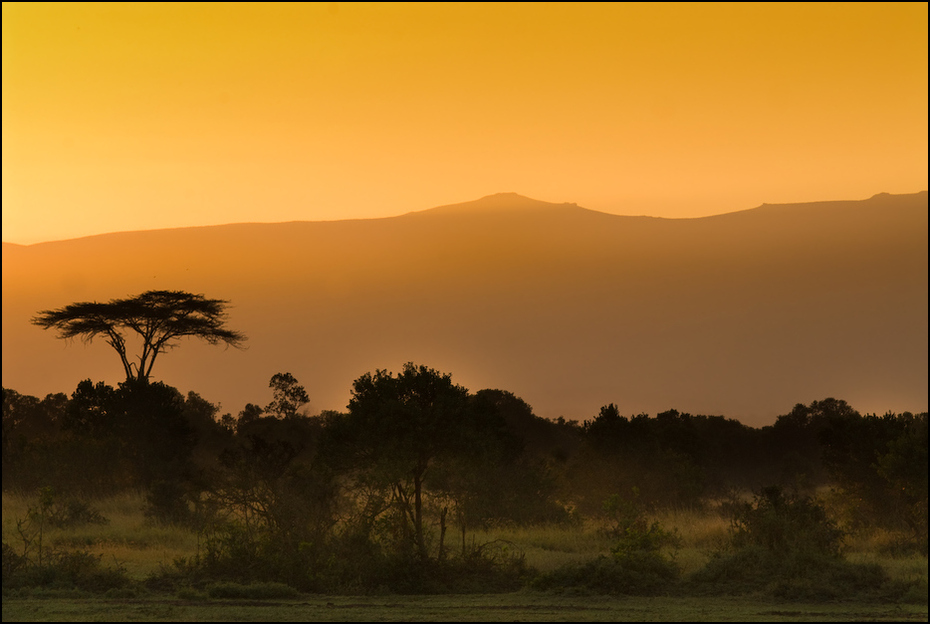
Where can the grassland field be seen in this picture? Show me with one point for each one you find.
(131, 541)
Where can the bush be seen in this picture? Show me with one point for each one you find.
(166, 502)
(348, 563)
(636, 566)
(232, 553)
(12, 562)
(66, 570)
(640, 575)
(254, 591)
(74, 513)
(784, 524)
(788, 547)
(54, 513)
(42, 566)
(796, 576)
(487, 568)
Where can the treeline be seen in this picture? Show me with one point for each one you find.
(417, 462)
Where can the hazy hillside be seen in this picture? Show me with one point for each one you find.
(743, 314)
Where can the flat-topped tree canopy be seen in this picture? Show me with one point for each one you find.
(159, 317)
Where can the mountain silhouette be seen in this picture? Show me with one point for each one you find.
(501, 203)
(742, 314)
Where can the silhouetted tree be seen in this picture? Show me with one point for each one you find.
(159, 317)
(289, 396)
(19, 412)
(35, 449)
(506, 475)
(398, 427)
(91, 409)
(904, 467)
(608, 429)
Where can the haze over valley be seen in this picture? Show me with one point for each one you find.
(742, 314)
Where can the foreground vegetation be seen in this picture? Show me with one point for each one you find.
(149, 500)
(531, 607)
(146, 552)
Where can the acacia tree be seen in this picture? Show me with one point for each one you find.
(159, 317)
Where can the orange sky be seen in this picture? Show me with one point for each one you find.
(123, 116)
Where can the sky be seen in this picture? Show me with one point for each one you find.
(128, 116)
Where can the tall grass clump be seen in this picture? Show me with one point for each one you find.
(32, 560)
(636, 564)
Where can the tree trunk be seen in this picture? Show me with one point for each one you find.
(442, 532)
(418, 516)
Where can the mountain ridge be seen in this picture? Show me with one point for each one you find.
(502, 203)
(571, 309)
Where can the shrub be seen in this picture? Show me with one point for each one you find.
(53, 512)
(783, 524)
(232, 553)
(66, 570)
(636, 564)
(233, 557)
(42, 566)
(74, 513)
(787, 546)
(166, 502)
(796, 576)
(493, 567)
(189, 593)
(253, 591)
(640, 575)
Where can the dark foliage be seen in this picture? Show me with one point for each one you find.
(383, 497)
(636, 565)
(787, 545)
(782, 524)
(253, 591)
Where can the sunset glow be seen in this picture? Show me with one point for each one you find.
(126, 116)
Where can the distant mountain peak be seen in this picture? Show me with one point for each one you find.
(506, 195)
(498, 203)
(885, 195)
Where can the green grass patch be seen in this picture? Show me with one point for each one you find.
(518, 606)
(128, 539)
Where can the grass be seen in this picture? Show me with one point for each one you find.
(130, 538)
(548, 547)
(142, 548)
(526, 606)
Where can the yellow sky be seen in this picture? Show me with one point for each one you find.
(122, 116)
